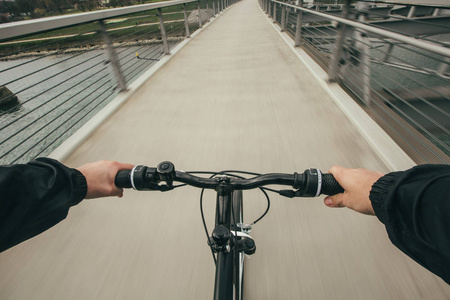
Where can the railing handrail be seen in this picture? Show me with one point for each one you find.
(21, 28)
(443, 6)
(435, 48)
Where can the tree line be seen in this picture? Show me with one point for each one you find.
(22, 9)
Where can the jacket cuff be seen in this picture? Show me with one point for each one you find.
(378, 194)
(79, 187)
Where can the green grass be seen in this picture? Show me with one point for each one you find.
(80, 41)
(84, 33)
(149, 16)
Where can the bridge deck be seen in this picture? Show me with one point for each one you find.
(234, 98)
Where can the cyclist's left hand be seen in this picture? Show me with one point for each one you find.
(100, 177)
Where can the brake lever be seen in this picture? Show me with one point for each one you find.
(161, 188)
(291, 194)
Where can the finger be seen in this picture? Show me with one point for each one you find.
(123, 166)
(337, 172)
(335, 201)
(117, 166)
(117, 192)
(336, 169)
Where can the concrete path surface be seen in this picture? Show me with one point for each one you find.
(234, 98)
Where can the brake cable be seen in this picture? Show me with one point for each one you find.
(228, 173)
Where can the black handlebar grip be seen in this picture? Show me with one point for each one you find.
(330, 186)
(123, 179)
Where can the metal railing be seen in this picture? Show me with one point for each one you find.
(394, 60)
(57, 73)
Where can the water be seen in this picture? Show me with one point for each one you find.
(58, 94)
(422, 95)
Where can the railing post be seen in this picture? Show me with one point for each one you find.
(163, 33)
(288, 11)
(298, 29)
(361, 38)
(388, 52)
(214, 7)
(269, 11)
(207, 11)
(112, 55)
(412, 11)
(443, 66)
(274, 12)
(199, 15)
(283, 18)
(338, 46)
(186, 23)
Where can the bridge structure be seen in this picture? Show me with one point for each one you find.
(245, 90)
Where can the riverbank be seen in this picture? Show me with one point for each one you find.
(86, 48)
(125, 36)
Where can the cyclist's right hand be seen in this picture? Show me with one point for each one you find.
(357, 184)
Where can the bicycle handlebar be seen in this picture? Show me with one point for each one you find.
(310, 183)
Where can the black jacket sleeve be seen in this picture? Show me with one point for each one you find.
(36, 196)
(414, 205)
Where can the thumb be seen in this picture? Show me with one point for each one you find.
(335, 200)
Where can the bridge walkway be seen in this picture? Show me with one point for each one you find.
(236, 97)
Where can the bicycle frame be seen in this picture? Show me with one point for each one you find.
(223, 287)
